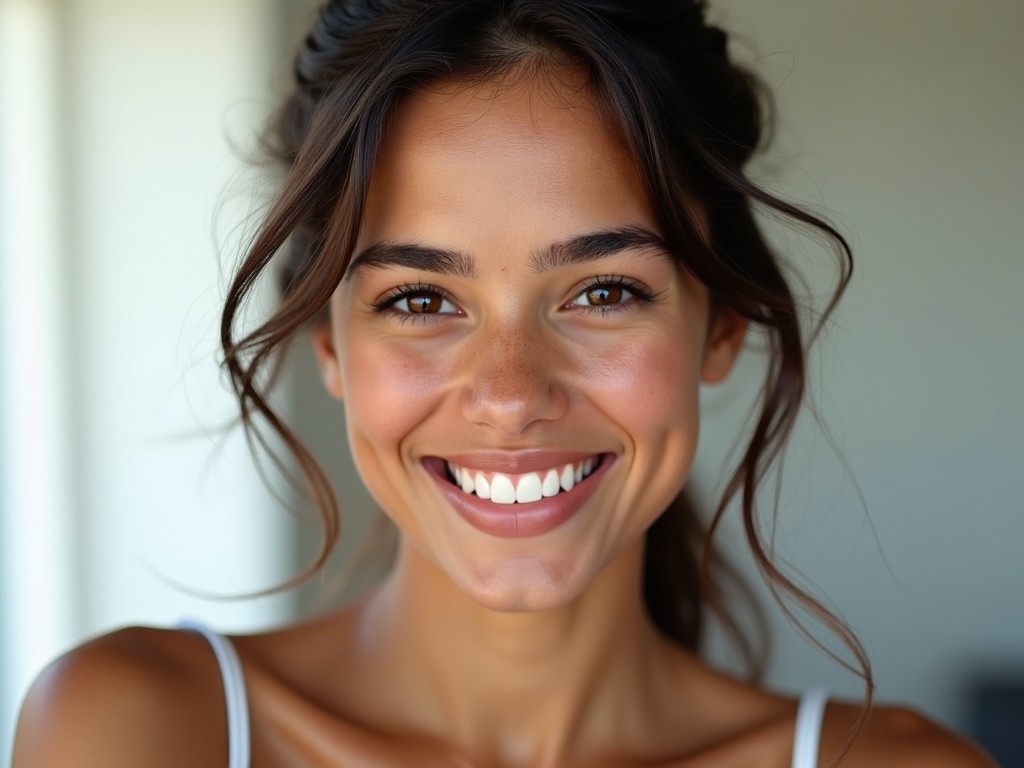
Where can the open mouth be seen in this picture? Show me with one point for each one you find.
(502, 488)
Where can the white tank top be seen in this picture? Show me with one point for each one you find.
(806, 736)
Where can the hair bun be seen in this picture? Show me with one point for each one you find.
(718, 40)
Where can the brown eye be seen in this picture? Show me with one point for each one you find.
(425, 304)
(420, 301)
(603, 295)
(607, 294)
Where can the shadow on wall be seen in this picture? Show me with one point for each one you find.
(997, 718)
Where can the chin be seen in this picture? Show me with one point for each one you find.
(523, 584)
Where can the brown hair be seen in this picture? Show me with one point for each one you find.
(689, 117)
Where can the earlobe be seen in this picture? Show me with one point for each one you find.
(725, 340)
(327, 359)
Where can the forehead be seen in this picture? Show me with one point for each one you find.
(519, 107)
(525, 154)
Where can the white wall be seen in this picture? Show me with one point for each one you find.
(35, 468)
(121, 263)
(157, 91)
(906, 120)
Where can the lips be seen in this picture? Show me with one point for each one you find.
(511, 504)
(504, 488)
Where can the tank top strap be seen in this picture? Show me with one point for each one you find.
(810, 715)
(234, 692)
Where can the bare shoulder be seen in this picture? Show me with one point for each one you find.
(898, 737)
(133, 697)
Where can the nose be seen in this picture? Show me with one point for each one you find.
(513, 380)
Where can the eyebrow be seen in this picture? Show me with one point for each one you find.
(597, 245)
(577, 250)
(426, 258)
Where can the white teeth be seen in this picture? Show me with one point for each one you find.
(551, 485)
(522, 489)
(502, 490)
(567, 480)
(483, 488)
(529, 488)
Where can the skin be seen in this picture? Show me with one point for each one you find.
(508, 367)
(479, 649)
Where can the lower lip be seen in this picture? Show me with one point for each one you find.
(520, 521)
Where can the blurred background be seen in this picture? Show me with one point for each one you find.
(124, 196)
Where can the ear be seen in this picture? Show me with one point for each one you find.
(725, 339)
(327, 359)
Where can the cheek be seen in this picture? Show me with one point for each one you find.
(390, 388)
(648, 384)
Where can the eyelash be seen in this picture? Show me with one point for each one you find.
(638, 292)
(386, 304)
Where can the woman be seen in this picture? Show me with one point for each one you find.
(519, 238)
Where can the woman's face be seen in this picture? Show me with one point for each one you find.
(510, 328)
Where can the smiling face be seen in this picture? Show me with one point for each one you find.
(518, 356)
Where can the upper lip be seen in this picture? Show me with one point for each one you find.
(517, 462)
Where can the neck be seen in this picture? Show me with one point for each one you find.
(518, 688)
